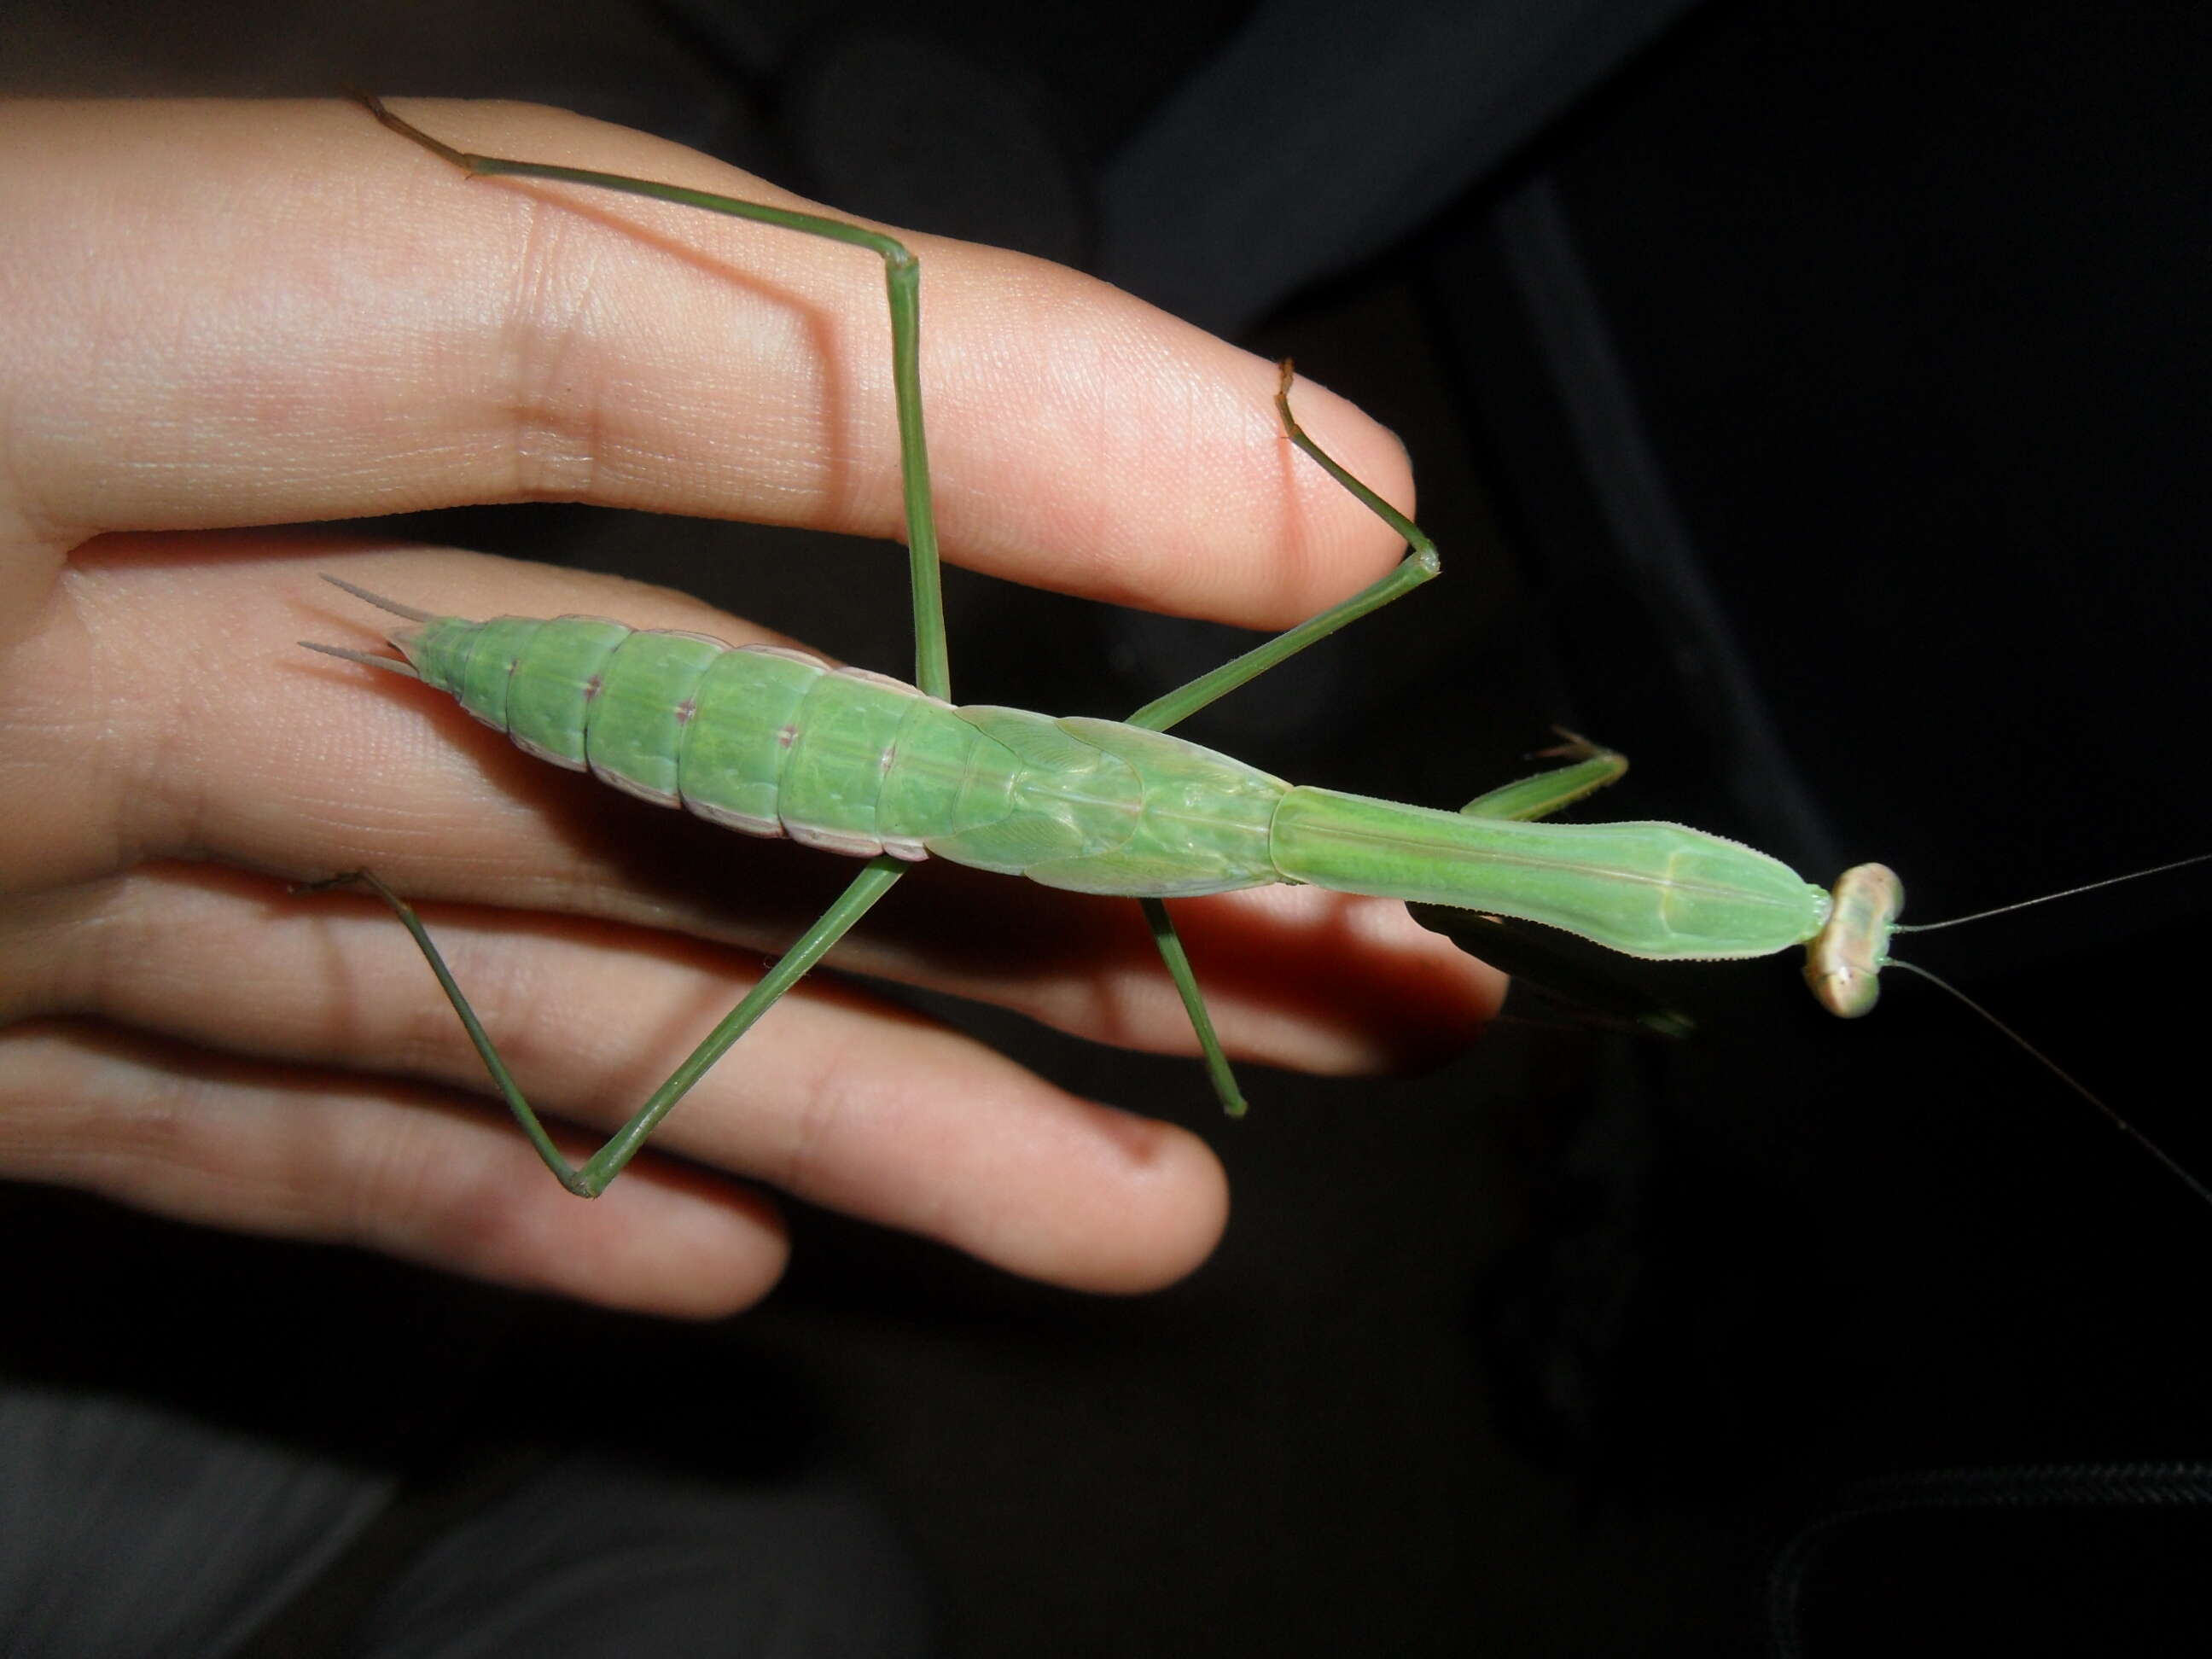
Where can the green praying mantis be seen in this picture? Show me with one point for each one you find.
(772, 742)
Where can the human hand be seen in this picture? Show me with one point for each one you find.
(221, 315)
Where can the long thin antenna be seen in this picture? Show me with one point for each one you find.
(2022, 904)
(2060, 1071)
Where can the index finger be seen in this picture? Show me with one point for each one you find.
(297, 315)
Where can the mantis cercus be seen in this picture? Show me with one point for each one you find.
(770, 742)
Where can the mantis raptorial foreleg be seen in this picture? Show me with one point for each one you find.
(1590, 767)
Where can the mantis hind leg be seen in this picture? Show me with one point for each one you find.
(901, 285)
(590, 1178)
(903, 291)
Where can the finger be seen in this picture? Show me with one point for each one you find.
(299, 315)
(304, 1153)
(175, 718)
(837, 1096)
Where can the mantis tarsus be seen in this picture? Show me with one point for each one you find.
(774, 743)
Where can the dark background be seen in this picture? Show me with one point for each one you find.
(1809, 400)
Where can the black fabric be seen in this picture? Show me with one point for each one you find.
(130, 1528)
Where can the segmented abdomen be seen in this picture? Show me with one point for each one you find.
(758, 738)
(774, 742)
